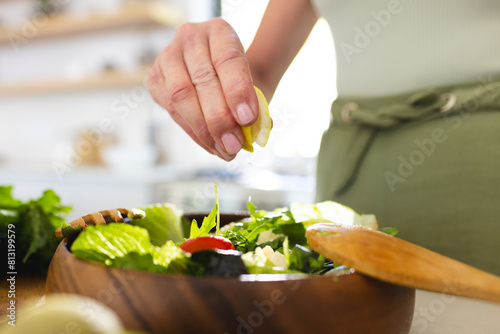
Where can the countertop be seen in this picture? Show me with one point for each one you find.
(437, 313)
(28, 290)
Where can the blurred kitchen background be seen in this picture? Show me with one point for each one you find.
(76, 116)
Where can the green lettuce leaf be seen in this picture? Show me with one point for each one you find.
(172, 258)
(105, 243)
(138, 261)
(129, 247)
(163, 222)
(329, 211)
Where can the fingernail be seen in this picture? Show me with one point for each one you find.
(244, 113)
(222, 153)
(231, 143)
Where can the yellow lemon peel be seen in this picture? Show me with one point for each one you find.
(260, 130)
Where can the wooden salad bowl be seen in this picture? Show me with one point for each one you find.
(162, 303)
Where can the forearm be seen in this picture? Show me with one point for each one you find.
(283, 31)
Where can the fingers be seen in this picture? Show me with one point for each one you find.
(163, 93)
(177, 89)
(220, 124)
(177, 93)
(231, 65)
(203, 80)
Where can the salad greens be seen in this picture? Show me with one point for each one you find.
(275, 243)
(128, 246)
(163, 222)
(105, 243)
(34, 223)
(265, 242)
(209, 222)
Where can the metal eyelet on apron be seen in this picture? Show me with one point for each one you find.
(345, 113)
(450, 103)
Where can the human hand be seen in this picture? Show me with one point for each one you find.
(203, 80)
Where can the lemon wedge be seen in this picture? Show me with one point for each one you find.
(259, 131)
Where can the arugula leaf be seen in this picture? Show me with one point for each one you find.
(281, 222)
(296, 233)
(260, 225)
(208, 224)
(217, 231)
(306, 260)
(238, 240)
(251, 208)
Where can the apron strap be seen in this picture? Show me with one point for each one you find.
(358, 120)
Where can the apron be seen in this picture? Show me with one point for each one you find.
(426, 162)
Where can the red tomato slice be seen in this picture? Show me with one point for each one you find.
(205, 243)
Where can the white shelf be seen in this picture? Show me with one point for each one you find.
(148, 14)
(111, 79)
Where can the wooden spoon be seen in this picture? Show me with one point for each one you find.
(394, 260)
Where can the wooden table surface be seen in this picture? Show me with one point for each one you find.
(29, 289)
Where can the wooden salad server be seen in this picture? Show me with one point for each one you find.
(397, 261)
(103, 217)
